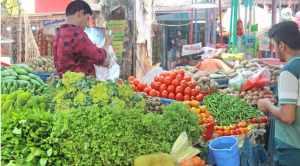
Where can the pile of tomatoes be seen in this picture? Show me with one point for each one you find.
(170, 85)
(204, 115)
(264, 119)
(234, 129)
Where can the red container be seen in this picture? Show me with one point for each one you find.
(209, 130)
(205, 93)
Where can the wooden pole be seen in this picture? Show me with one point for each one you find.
(19, 37)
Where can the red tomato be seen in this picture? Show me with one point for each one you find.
(171, 89)
(220, 133)
(167, 74)
(171, 96)
(255, 120)
(157, 94)
(146, 90)
(153, 85)
(186, 98)
(162, 74)
(161, 79)
(175, 83)
(194, 85)
(163, 87)
(197, 91)
(156, 78)
(199, 98)
(173, 75)
(183, 84)
(179, 97)
(179, 77)
(130, 78)
(178, 89)
(131, 82)
(226, 133)
(145, 84)
(157, 86)
(259, 120)
(134, 88)
(175, 71)
(164, 94)
(152, 93)
(181, 72)
(250, 120)
(193, 92)
(232, 132)
(187, 91)
(190, 84)
(192, 98)
(168, 80)
(187, 78)
(238, 131)
(140, 86)
(136, 82)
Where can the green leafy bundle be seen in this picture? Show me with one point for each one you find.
(25, 139)
(76, 89)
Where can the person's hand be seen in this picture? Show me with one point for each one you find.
(107, 65)
(264, 105)
(109, 39)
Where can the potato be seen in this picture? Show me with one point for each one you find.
(255, 97)
(249, 65)
(244, 62)
(188, 74)
(232, 90)
(194, 80)
(250, 98)
(257, 60)
(205, 79)
(273, 77)
(195, 77)
(266, 96)
(254, 101)
(230, 71)
(238, 67)
(202, 88)
(253, 68)
(207, 83)
(212, 86)
(273, 82)
(256, 93)
(216, 85)
(194, 70)
(197, 86)
(267, 88)
(243, 94)
(236, 92)
(200, 82)
(249, 91)
(249, 101)
(254, 89)
(202, 73)
(236, 95)
(206, 88)
(266, 91)
(232, 75)
(212, 81)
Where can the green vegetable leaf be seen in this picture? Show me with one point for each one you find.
(30, 157)
(49, 152)
(16, 131)
(43, 161)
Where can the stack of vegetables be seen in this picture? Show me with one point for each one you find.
(20, 77)
(204, 115)
(92, 123)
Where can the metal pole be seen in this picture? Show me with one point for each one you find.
(274, 22)
(214, 24)
(192, 25)
(164, 45)
(221, 29)
(19, 37)
(196, 24)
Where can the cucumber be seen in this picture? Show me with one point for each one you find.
(13, 73)
(27, 68)
(3, 86)
(35, 82)
(5, 74)
(24, 77)
(22, 82)
(6, 81)
(16, 86)
(12, 89)
(29, 86)
(46, 89)
(40, 81)
(10, 77)
(21, 71)
(34, 88)
(32, 76)
(9, 85)
(5, 91)
(14, 66)
(39, 90)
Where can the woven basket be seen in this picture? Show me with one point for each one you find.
(92, 1)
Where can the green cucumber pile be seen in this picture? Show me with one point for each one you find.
(20, 77)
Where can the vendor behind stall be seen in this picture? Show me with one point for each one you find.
(72, 49)
(285, 37)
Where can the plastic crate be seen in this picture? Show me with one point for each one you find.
(169, 101)
(222, 82)
(44, 76)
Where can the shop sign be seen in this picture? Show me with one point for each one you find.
(118, 48)
(53, 23)
(116, 27)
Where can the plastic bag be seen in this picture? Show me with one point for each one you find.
(111, 56)
(149, 77)
(258, 80)
(238, 82)
(104, 73)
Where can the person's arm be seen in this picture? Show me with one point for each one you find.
(84, 47)
(288, 85)
(285, 113)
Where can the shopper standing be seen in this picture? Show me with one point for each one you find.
(285, 38)
(72, 49)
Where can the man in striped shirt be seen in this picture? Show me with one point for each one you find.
(285, 38)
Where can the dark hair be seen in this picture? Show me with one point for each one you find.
(78, 5)
(286, 32)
